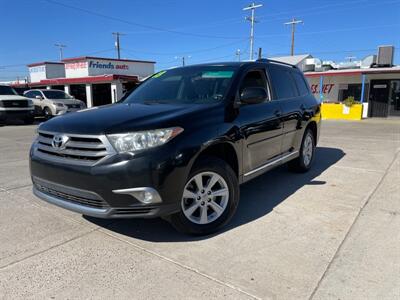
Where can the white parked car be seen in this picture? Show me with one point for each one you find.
(51, 103)
(14, 106)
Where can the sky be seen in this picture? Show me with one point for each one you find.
(202, 31)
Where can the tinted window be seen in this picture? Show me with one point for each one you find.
(30, 94)
(6, 90)
(301, 84)
(198, 85)
(53, 94)
(282, 82)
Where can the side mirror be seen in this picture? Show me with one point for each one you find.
(253, 95)
(39, 97)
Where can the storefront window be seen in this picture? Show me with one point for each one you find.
(352, 90)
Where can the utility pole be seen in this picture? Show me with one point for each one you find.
(238, 54)
(60, 47)
(252, 20)
(259, 53)
(117, 43)
(183, 58)
(294, 22)
(350, 58)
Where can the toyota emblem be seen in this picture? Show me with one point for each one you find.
(60, 141)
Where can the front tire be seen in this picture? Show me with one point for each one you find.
(47, 113)
(307, 150)
(209, 199)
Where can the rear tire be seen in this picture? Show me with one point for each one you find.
(307, 150)
(209, 200)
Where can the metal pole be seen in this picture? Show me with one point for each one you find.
(117, 43)
(293, 23)
(292, 48)
(321, 83)
(252, 34)
(362, 88)
(60, 47)
(252, 7)
(118, 47)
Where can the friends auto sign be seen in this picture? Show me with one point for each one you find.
(98, 67)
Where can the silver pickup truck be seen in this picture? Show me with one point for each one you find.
(14, 106)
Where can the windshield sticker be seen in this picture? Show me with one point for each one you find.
(159, 74)
(217, 74)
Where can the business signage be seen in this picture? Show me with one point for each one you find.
(37, 69)
(107, 65)
(326, 88)
(76, 65)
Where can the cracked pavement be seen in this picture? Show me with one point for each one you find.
(333, 233)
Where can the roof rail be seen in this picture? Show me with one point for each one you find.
(266, 60)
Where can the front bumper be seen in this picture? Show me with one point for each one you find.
(8, 114)
(62, 111)
(89, 189)
(71, 203)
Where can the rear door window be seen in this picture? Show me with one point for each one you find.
(283, 84)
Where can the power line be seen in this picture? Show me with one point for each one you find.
(27, 63)
(185, 52)
(138, 24)
(293, 23)
(252, 20)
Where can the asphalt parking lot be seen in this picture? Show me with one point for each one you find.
(333, 233)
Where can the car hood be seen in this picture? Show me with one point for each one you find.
(120, 118)
(12, 97)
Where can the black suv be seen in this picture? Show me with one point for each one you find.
(179, 145)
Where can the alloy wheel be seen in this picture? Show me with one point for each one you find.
(205, 198)
(308, 148)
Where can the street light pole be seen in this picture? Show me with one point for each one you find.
(294, 22)
(252, 20)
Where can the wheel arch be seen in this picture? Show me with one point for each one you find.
(223, 150)
(314, 129)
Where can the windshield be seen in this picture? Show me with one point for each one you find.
(56, 95)
(199, 85)
(7, 90)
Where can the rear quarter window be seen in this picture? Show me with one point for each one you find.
(283, 83)
(301, 84)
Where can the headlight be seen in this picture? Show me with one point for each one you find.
(135, 141)
(59, 104)
(30, 103)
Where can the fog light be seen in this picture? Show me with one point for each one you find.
(145, 195)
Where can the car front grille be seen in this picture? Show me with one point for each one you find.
(15, 103)
(73, 106)
(79, 149)
(69, 195)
